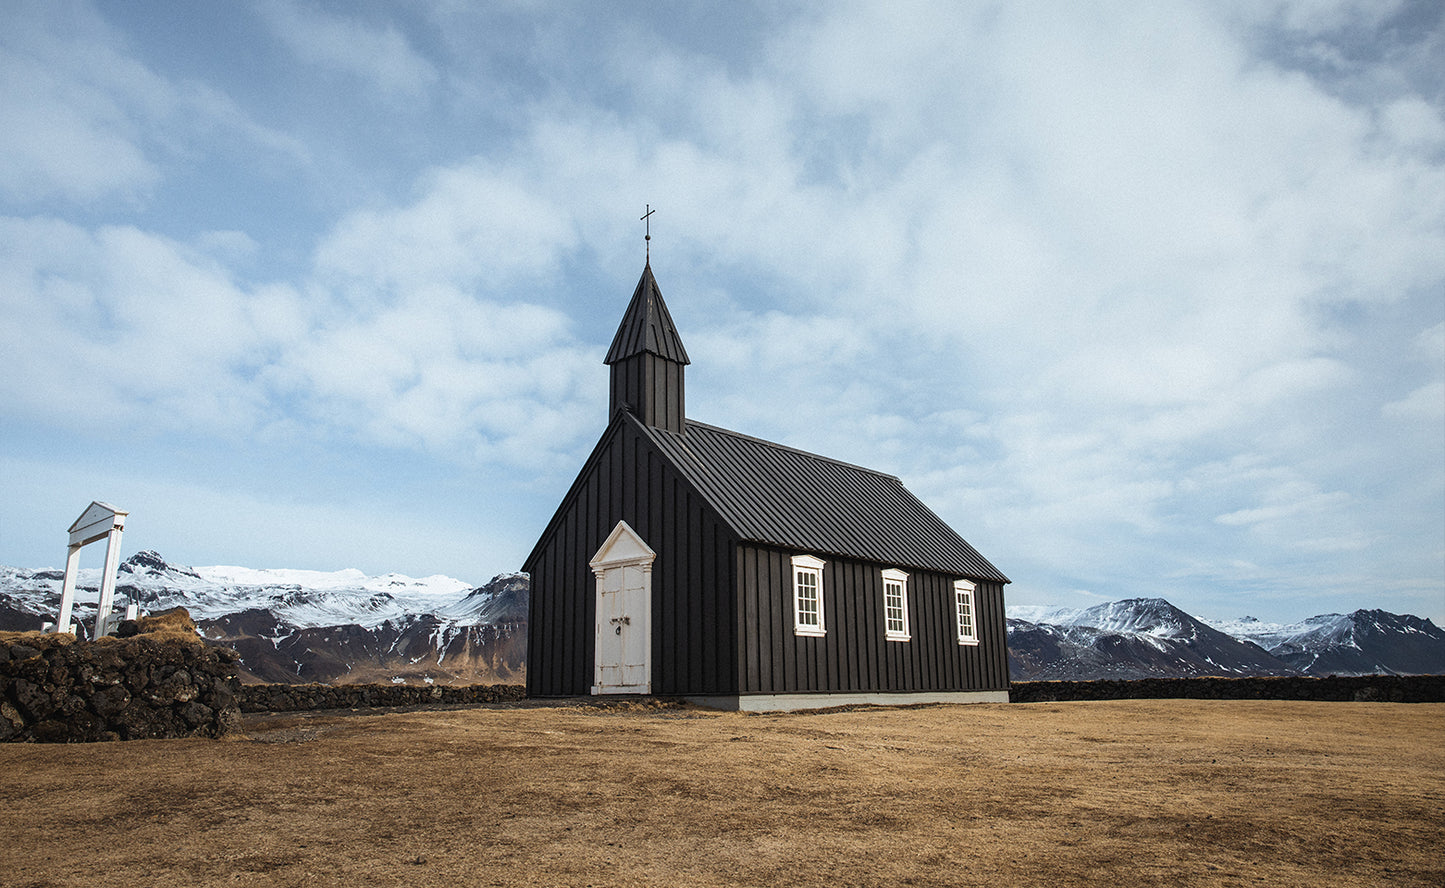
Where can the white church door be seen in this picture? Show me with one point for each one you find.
(623, 567)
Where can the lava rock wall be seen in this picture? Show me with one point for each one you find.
(1339, 688)
(59, 690)
(304, 698)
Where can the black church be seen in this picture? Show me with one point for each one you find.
(688, 560)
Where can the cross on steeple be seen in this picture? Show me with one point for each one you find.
(647, 237)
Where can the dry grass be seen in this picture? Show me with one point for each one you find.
(39, 640)
(175, 623)
(1124, 793)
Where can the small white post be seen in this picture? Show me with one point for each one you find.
(67, 590)
(103, 621)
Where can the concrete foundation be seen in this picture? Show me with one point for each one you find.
(789, 702)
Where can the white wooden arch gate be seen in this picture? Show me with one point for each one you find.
(100, 521)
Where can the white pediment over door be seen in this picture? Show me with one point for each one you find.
(623, 546)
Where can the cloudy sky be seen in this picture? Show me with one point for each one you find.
(1143, 299)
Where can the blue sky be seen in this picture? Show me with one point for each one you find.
(1143, 299)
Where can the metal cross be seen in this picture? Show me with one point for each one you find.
(648, 235)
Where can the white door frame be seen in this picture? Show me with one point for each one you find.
(623, 549)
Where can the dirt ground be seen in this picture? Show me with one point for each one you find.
(1156, 792)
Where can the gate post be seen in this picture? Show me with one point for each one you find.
(98, 521)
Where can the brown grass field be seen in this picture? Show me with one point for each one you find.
(1161, 792)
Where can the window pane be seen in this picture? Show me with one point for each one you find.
(807, 592)
(895, 621)
(965, 614)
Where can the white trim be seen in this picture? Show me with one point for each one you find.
(892, 576)
(623, 546)
(789, 702)
(810, 567)
(963, 591)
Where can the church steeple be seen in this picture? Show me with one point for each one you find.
(647, 360)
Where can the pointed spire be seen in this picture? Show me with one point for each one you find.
(647, 361)
(646, 326)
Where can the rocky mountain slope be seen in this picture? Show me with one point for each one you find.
(1137, 638)
(1366, 642)
(1150, 638)
(303, 626)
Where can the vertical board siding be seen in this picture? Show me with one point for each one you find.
(855, 655)
(627, 480)
(651, 387)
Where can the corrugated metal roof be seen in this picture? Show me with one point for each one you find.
(779, 496)
(646, 326)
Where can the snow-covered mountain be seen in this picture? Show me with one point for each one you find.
(294, 625)
(1150, 638)
(1366, 642)
(1136, 638)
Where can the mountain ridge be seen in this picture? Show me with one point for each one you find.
(1150, 638)
(300, 626)
(345, 626)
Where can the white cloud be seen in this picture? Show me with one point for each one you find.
(1285, 501)
(122, 326)
(380, 55)
(1425, 403)
(469, 225)
(1321, 17)
(444, 372)
(67, 115)
(83, 120)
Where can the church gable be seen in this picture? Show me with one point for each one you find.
(626, 479)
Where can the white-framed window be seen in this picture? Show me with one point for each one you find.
(808, 596)
(895, 605)
(964, 609)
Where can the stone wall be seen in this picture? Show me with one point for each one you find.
(1358, 688)
(172, 684)
(303, 698)
(56, 689)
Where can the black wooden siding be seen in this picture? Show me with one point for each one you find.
(854, 655)
(694, 649)
(651, 387)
